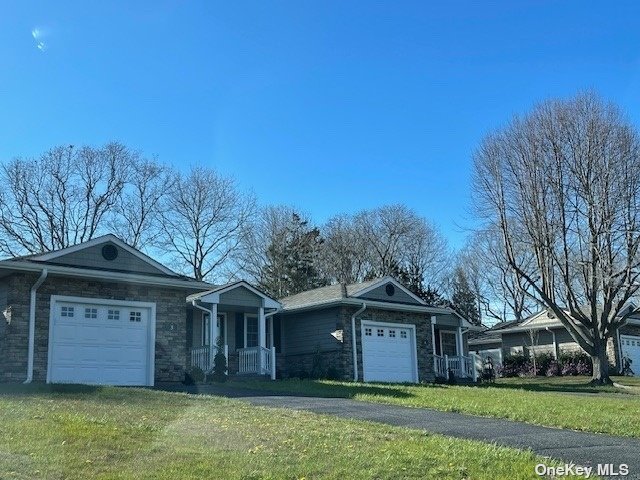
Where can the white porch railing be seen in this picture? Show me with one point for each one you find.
(460, 366)
(256, 360)
(200, 358)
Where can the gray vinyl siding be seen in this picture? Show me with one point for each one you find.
(444, 321)
(91, 257)
(241, 297)
(307, 331)
(379, 294)
(3, 321)
(543, 342)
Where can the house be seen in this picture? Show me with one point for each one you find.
(101, 312)
(542, 332)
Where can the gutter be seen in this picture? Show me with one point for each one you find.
(555, 344)
(32, 323)
(370, 304)
(354, 346)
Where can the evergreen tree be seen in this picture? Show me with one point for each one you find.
(463, 298)
(292, 259)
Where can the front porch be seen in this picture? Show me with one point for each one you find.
(244, 331)
(449, 349)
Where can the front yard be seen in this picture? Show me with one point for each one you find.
(564, 402)
(84, 432)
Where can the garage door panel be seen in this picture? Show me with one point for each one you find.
(631, 348)
(98, 344)
(388, 353)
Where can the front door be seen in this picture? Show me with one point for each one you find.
(448, 344)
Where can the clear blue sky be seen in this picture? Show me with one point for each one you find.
(328, 106)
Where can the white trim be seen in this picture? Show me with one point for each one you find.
(414, 350)
(104, 275)
(392, 280)
(213, 295)
(244, 343)
(370, 304)
(104, 239)
(54, 299)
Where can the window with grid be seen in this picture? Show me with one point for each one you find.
(135, 316)
(66, 312)
(113, 314)
(381, 332)
(251, 331)
(392, 333)
(403, 334)
(90, 313)
(367, 331)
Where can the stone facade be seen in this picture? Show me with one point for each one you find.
(170, 343)
(423, 338)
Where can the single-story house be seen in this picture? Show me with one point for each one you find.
(102, 312)
(542, 332)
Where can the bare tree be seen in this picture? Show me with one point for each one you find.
(562, 183)
(344, 255)
(137, 216)
(500, 293)
(60, 199)
(203, 221)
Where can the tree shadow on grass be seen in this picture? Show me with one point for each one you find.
(551, 386)
(300, 388)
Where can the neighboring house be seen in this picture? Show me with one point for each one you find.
(102, 312)
(380, 327)
(487, 342)
(544, 333)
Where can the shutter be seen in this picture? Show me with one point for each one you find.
(239, 330)
(277, 329)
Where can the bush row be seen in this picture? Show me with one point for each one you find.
(567, 364)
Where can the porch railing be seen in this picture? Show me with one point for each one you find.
(200, 358)
(256, 360)
(460, 366)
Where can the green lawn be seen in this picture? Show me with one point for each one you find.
(555, 402)
(96, 433)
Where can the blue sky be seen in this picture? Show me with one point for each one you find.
(327, 106)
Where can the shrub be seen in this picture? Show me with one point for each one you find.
(195, 374)
(333, 373)
(553, 370)
(513, 366)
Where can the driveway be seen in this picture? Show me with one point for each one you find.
(581, 448)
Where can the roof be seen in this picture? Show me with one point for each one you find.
(349, 294)
(157, 275)
(491, 334)
(213, 295)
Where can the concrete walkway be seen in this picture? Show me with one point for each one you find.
(581, 448)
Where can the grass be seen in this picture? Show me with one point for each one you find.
(547, 402)
(98, 433)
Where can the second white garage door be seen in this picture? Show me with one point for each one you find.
(631, 348)
(389, 352)
(100, 342)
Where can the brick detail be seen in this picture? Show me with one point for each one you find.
(170, 345)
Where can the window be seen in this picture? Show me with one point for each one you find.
(392, 333)
(448, 343)
(403, 334)
(113, 314)
(66, 312)
(381, 332)
(135, 316)
(367, 331)
(250, 331)
(90, 313)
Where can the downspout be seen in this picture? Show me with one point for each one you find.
(555, 345)
(354, 346)
(32, 323)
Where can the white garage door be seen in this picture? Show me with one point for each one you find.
(631, 349)
(388, 352)
(100, 342)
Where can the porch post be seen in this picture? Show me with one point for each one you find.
(213, 333)
(433, 333)
(460, 346)
(262, 340)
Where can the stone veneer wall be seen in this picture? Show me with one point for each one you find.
(423, 338)
(170, 347)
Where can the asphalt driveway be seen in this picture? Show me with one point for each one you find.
(581, 448)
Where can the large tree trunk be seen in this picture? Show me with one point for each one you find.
(600, 364)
